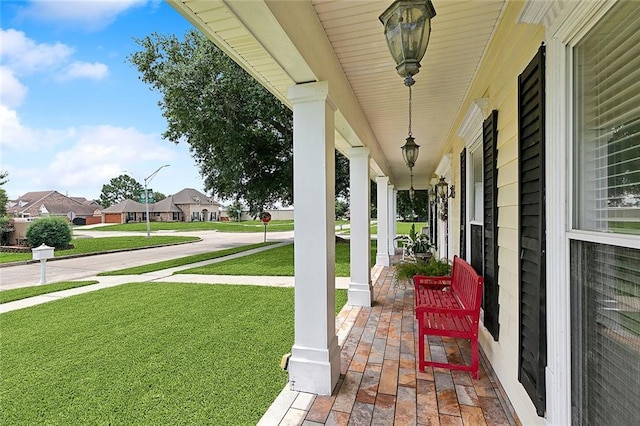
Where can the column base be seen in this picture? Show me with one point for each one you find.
(382, 260)
(314, 370)
(360, 295)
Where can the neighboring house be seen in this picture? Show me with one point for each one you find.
(188, 205)
(531, 109)
(78, 210)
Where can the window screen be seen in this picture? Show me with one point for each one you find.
(607, 93)
(606, 339)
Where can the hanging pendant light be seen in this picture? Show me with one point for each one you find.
(407, 28)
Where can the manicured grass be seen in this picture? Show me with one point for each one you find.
(244, 226)
(172, 263)
(96, 245)
(146, 353)
(275, 262)
(405, 227)
(24, 292)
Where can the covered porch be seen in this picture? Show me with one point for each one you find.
(379, 378)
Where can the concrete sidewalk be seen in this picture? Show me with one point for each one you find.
(167, 275)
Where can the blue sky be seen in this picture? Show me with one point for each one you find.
(73, 113)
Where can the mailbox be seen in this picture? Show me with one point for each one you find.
(43, 252)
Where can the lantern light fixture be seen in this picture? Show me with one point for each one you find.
(407, 28)
(443, 192)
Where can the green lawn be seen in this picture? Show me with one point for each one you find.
(186, 260)
(275, 262)
(96, 245)
(148, 353)
(24, 292)
(244, 226)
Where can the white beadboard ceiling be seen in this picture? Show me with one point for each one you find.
(285, 42)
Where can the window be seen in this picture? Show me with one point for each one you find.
(475, 190)
(605, 274)
(607, 128)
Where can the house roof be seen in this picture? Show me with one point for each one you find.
(64, 209)
(164, 206)
(61, 205)
(193, 196)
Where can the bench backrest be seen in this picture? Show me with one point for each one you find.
(467, 285)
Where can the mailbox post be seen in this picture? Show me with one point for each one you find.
(42, 253)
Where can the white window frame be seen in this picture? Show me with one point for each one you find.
(471, 132)
(566, 23)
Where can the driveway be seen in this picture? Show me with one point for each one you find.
(88, 266)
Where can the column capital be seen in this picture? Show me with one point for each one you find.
(310, 92)
(358, 151)
(382, 180)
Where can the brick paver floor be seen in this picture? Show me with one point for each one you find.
(380, 383)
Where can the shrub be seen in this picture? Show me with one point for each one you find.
(405, 271)
(6, 228)
(52, 231)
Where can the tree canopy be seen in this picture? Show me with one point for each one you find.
(119, 189)
(420, 205)
(239, 134)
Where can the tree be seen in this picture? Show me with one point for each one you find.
(119, 189)
(4, 199)
(240, 135)
(420, 205)
(341, 208)
(158, 196)
(235, 210)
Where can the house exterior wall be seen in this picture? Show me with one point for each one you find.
(512, 48)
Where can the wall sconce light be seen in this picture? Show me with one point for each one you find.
(443, 191)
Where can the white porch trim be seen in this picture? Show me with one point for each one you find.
(360, 293)
(314, 365)
(382, 255)
(393, 204)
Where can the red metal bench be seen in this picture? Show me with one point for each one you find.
(449, 306)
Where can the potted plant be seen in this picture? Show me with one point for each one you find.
(416, 245)
(406, 270)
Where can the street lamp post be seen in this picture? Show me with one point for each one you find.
(146, 196)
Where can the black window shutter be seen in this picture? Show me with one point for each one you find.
(532, 357)
(490, 183)
(463, 204)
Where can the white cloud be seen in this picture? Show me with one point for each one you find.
(76, 70)
(12, 92)
(91, 15)
(24, 56)
(98, 154)
(17, 136)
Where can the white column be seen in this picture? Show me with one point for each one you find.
(360, 293)
(382, 255)
(314, 365)
(393, 205)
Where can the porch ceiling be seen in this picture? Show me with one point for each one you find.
(282, 43)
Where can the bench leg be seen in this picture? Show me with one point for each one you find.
(420, 347)
(475, 364)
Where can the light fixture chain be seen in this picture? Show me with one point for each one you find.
(410, 134)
